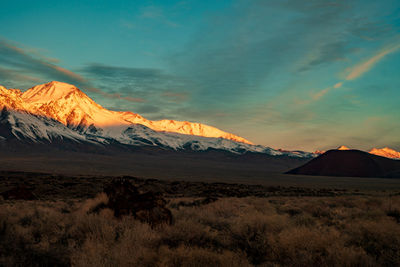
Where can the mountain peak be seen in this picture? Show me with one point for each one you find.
(343, 148)
(58, 83)
(70, 106)
(385, 152)
(47, 92)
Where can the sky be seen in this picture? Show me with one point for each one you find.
(296, 75)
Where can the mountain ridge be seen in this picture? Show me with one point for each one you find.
(58, 110)
(69, 105)
(385, 152)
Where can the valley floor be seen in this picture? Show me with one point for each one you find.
(207, 166)
(242, 225)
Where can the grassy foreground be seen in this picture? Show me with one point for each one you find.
(347, 230)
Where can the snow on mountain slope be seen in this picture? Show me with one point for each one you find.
(23, 125)
(140, 134)
(11, 99)
(62, 111)
(70, 106)
(385, 152)
(16, 117)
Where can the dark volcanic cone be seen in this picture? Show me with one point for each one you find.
(350, 163)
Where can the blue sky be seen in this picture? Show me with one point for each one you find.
(287, 74)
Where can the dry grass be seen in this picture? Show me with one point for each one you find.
(276, 231)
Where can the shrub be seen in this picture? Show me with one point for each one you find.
(294, 231)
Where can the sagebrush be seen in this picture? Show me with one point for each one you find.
(289, 231)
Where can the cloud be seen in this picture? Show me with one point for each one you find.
(338, 85)
(19, 67)
(136, 81)
(242, 54)
(257, 53)
(143, 85)
(365, 66)
(326, 52)
(358, 70)
(321, 93)
(16, 59)
(8, 77)
(123, 73)
(241, 51)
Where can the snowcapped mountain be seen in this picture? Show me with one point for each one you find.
(23, 125)
(385, 152)
(61, 111)
(16, 121)
(70, 106)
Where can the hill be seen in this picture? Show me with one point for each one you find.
(350, 163)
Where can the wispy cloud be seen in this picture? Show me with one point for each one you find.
(7, 75)
(152, 89)
(358, 70)
(28, 67)
(320, 94)
(338, 85)
(17, 59)
(239, 53)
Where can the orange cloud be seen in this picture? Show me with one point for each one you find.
(358, 70)
(31, 61)
(68, 72)
(321, 93)
(365, 66)
(338, 85)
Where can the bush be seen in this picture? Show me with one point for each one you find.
(290, 231)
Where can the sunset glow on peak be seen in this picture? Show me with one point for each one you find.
(386, 152)
(288, 74)
(128, 140)
(70, 106)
